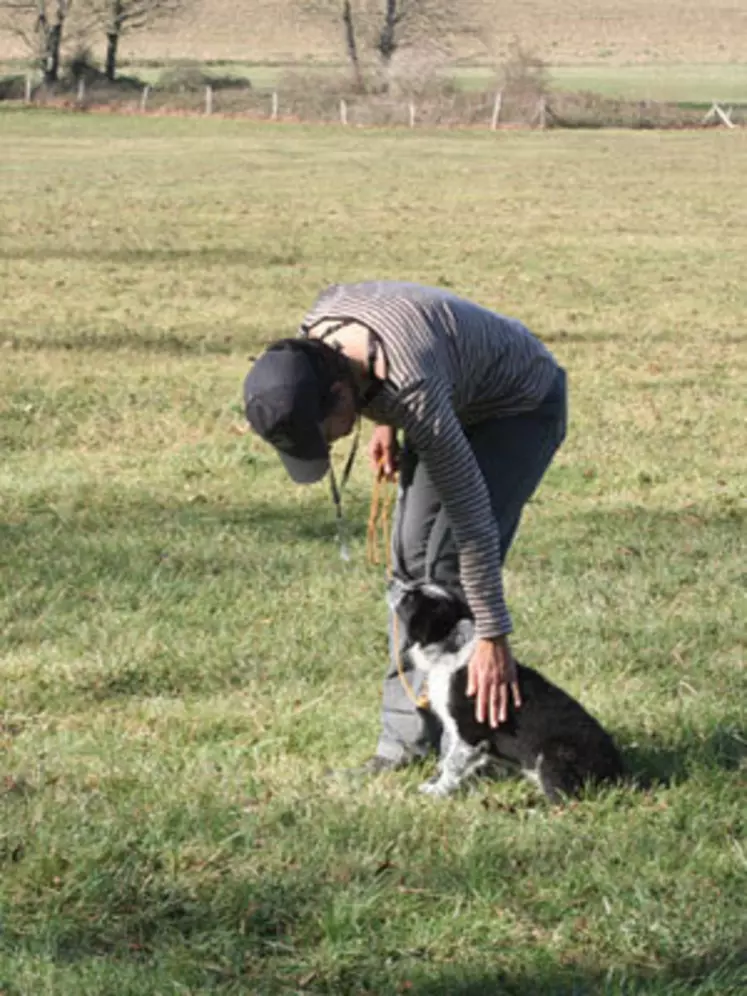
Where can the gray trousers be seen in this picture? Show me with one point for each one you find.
(513, 454)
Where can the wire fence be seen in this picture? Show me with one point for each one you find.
(504, 108)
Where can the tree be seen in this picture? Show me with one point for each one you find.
(351, 44)
(410, 22)
(384, 27)
(40, 24)
(120, 17)
(394, 14)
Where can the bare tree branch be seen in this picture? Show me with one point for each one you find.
(40, 23)
(121, 17)
(351, 44)
(383, 27)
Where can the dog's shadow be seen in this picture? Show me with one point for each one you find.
(653, 760)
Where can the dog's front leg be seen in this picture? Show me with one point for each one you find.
(460, 762)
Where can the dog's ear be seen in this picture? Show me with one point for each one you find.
(408, 606)
(430, 618)
(413, 610)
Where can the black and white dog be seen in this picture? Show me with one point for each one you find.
(551, 739)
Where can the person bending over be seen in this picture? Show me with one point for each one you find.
(470, 408)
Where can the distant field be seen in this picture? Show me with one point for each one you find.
(184, 656)
(678, 83)
(671, 82)
(652, 82)
(565, 32)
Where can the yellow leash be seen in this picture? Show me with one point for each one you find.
(379, 522)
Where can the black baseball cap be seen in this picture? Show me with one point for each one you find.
(287, 394)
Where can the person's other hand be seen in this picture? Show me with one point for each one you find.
(383, 452)
(491, 678)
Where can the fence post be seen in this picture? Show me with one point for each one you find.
(144, 98)
(724, 116)
(496, 110)
(274, 114)
(412, 114)
(542, 112)
(343, 112)
(27, 90)
(81, 90)
(208, 99)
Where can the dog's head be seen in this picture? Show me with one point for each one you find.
(430, 613)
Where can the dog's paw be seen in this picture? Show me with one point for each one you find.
(435, 787)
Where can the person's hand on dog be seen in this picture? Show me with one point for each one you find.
(491, 673)
(383, 451)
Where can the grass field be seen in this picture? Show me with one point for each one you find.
(184, 655)
(679, 83)
(698, 83)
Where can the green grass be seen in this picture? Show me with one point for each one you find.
(676, 82)
(184, 655)
(680, 83)
(700, 83)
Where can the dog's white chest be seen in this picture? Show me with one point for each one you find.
(440, 669)
(439, 690)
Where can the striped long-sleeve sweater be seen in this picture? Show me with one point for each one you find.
(450, 363)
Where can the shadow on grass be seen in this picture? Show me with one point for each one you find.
(182, 562)
(93, 541)
(205, 256)
(654, 761)
(717, 973)
(130, 339)
(172, 344)
(158, 598)
(95, 536)
(261, 937)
